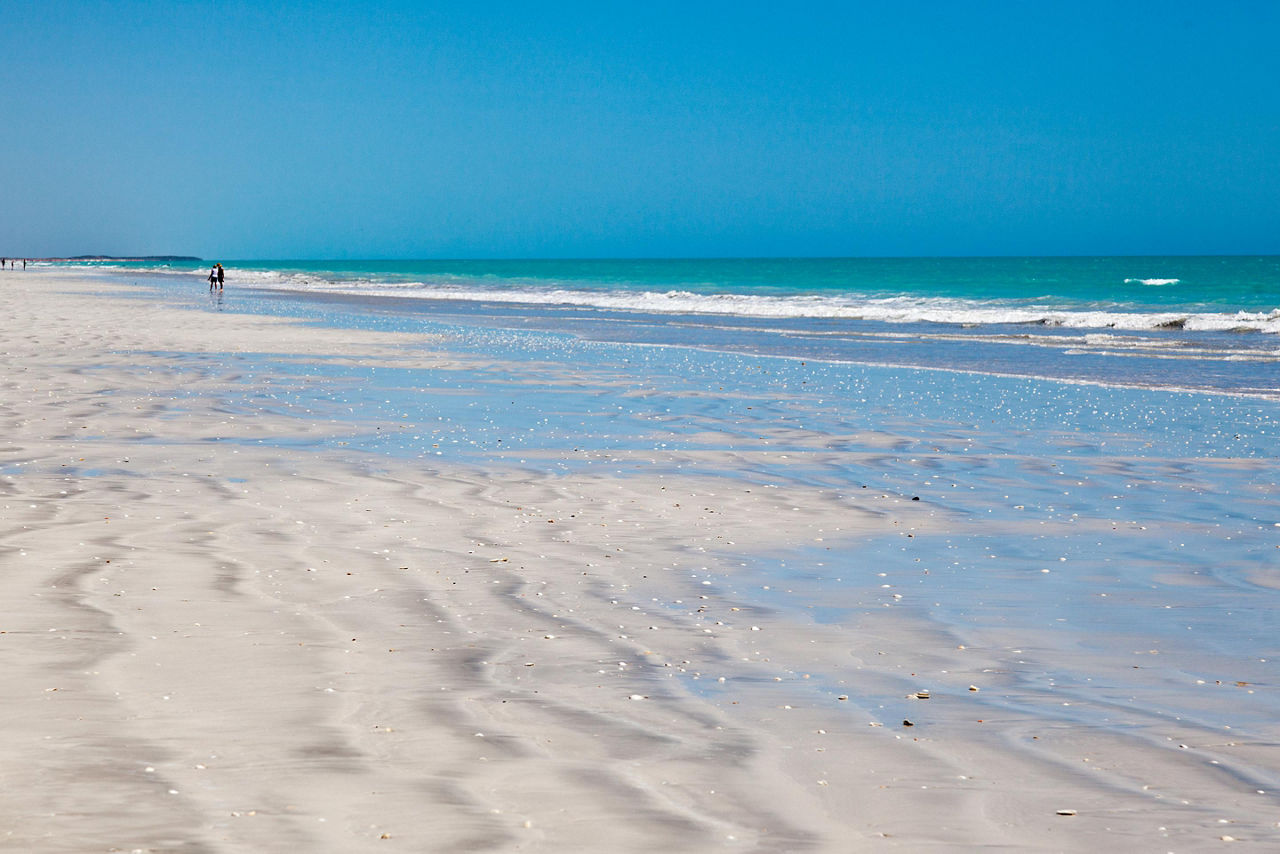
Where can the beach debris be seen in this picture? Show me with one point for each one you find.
(639, 697)
(843, 697)
(1065, 812)
(973, 687)
(906, 722)
(919, 695)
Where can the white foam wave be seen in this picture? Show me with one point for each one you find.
(886, 310)
(1152, 281)
(898, 310)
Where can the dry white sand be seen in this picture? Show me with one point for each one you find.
(209, 645)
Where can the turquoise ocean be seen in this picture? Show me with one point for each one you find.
(1196, 323)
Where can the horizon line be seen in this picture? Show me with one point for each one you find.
(447, 259)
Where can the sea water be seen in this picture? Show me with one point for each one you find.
(1198, 323)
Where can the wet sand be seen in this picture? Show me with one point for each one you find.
(220, 631)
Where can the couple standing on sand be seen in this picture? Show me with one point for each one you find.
(215, 277)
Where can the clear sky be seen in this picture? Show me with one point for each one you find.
(579, 129)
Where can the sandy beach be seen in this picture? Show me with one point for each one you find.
(224, 630)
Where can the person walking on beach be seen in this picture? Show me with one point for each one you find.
(220, 275)
(213, 277)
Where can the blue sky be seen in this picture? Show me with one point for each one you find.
(358, 130)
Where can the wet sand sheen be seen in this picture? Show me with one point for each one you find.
(217, 645)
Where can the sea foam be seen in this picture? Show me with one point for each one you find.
(848, 306)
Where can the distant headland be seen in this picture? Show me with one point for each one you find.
(133, 258)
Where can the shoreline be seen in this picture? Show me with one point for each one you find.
(1222, 359)
(225, 632)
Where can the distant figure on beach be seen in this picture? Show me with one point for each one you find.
(213, 277)
(220, 275)
(24, 263)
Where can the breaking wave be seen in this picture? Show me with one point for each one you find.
(885, 309)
